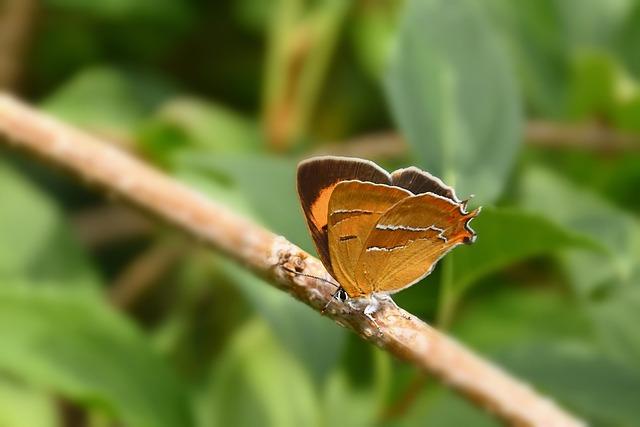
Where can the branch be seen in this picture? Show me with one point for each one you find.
(269, 256)
(537, 133)
(589, 136)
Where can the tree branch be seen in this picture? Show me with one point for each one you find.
(265, 253)
(537, 133)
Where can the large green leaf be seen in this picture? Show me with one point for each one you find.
(257, 383)
(190, 123)
(585, 213)
(509, 315)
(75, 346)
(38, 243)
(534, 32)
(609, 284)
(506, 236)
(454, 97)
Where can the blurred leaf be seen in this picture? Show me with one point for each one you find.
(373, 28)
(269, 185)
(21, 406)
(628, 38)
(616, 317)
(444, 408)
(534, 32)
(586, 214)
(592, 23)
(510, 315)
(41, 244)
(453, 95)
(253, 15)
(107, 101)
(361, 384)
(591, 92)
(258, 383)
(189, 123)
(314, 340)
(593, 385)
(78, 347)
(608, 285)
(506, 236)
(163, 10)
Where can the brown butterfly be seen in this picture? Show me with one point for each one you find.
(378, 233)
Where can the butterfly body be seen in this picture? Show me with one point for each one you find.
(378, 233)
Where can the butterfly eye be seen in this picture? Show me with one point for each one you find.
(342, 295)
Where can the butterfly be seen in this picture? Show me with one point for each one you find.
(378, 233)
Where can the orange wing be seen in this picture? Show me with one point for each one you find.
(317, 178)
(409, 239)
(354, 209)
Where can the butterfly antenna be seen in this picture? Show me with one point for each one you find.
(309, 275)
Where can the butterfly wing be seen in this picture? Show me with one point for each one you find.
(354, 208)
(317, 178)
(408, 240)
(419, 182)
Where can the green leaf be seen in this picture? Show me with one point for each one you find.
(76, 346)
(628, 37)
(258, 383)
(453, 95)
(592, 87)
(42, 244)
(534, 32)
(108, 101)
(446, 409)
(361, 384)
(585, 213)
(616, 317)
(372, 32)
(509, 315)
(269, 188)
(506, 236)
(315, 341)
(188, 124)
(21, 406)
(609, 284)
(592, 385)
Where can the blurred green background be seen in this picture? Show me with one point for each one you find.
(108, 318)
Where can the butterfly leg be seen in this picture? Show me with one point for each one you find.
(371, 308)
(387, 297)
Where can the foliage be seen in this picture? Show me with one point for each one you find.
(227, 97)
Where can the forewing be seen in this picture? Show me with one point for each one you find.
(317, 177)
(354, 209)
(409, 239)
(419, 182)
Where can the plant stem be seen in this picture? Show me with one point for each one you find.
(448, 298)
